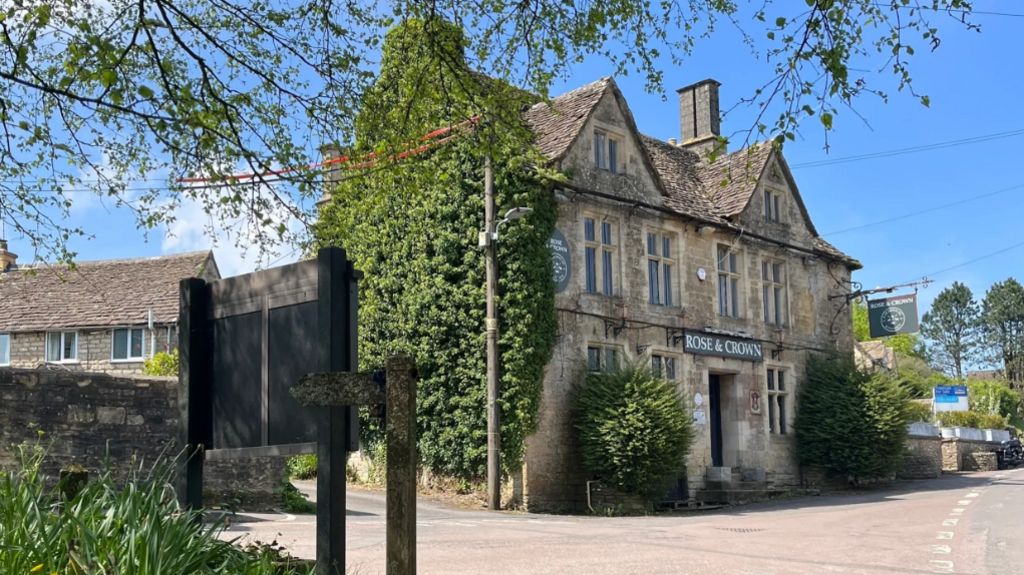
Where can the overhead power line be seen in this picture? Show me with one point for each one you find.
(910, 150)
(972, 261)
(924, 211)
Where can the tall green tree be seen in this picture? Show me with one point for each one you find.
(952, 328)
(411, 226)
(121, 98)
(1003, 321)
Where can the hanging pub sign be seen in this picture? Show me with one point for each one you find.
(701, 343)
(893, 315)
(561, 260)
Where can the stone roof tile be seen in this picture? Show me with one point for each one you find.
(557, 123)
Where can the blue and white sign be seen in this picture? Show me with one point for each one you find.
(949, 398)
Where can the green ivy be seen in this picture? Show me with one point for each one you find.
(853, 424)
(634, 431)
(411, 228)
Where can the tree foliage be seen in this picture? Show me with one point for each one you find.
(851, 423)
(412, 230)
(162, 364)
(952, 329)
(122, 98)
(1003, 323)
(634, 432)
(994, 397)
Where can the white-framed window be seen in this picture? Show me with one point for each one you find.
(603, 357)
(660, 265)
(606, 151)
(771, 206)
(773, 291)
(778, 401)
(61, 346)
(599, 255)
(665, 366)
(128, 344)
(728, 282)
(5, 349)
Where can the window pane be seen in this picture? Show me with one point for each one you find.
(69, 345)
(771, 379)
(777, 273)
(764, 271)
(767, 304)
(775, 212)
(652, 282)
(588, 229)
(782, 414)
(5, 348)
(652, 244)
(723, 295)
(723, 253)
(670, 368)
(53, 347)
(611, 358)
(656, 365)
(606, 270)
(613, 155)
(120, 344)
(666, 247)
(771, 413)
(593, 359)
(782, 381)
(734, 288)
(778, 306)
(606, 233)
(667, 287)
(599, 149)
(137, 345)
(767, 204)
(591, 259)
(732, 263)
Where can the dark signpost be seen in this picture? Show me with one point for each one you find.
(893, 315)
(245, 342)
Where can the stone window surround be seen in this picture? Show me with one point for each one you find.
(768, 306)
(674, 259)
(608, 138)
(665, 352)
(788, 397)
(772, 204)
(738, 275)
(5, 348)
(61, 333)
(600, 248)
(130, 358)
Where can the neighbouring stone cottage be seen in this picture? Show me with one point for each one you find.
(99, 316)
(710, 270)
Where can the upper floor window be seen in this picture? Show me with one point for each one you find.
(664, 366)
(599, 254)
(660, 262)
(778, 399)
(728, 282)
(61, 346)
(773, 291)
(602, 358)
(5, 349)
(606, 151)
(128, 344)
(771, 206)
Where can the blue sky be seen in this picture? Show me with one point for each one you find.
(975, 82)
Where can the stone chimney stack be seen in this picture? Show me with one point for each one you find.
(8, 261)
(332, 171)
(699, 117)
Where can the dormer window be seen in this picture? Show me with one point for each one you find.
(606, 151)
(771, 206)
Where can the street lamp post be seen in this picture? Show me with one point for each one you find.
(487, 240)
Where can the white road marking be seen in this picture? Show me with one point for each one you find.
(942, 549)
(957, 511)
(973, 494)
(953, 521)
(940, 566)
(964, 502)
(944, 535)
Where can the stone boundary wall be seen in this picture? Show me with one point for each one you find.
(87, 417)
(923, 459)
(957, 453)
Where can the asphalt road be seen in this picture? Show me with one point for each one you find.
(968, 523)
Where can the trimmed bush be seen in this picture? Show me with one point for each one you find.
(852, 424)
(634, 431)
(162, 364)
(972, 419)
(917, 411)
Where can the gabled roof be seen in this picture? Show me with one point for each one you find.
(557, 123)
(98, 293)
(680, 172)
(731, 179)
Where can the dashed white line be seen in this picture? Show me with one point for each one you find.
(941, 566)
(952, 521)
(973, 494)
(964, 502)
(944, 535)
(942, 549)
(957, 511)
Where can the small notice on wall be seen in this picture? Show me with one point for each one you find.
(699, 417)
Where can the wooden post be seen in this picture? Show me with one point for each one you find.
(194, 381)
(401, 465)
(337, 335)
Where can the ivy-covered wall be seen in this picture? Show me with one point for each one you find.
(411, 226)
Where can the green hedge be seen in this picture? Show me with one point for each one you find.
(634, 431)
(971, 419)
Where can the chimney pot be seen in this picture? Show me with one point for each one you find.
(672, 141)
(699, 117)
(8, 261)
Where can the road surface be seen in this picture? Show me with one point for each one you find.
(966, 523)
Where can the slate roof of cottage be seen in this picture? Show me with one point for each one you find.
(98, 293)
(715, 192)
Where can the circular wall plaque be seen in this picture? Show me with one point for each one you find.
(698, 399)
(561, 260)
(702, 274)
